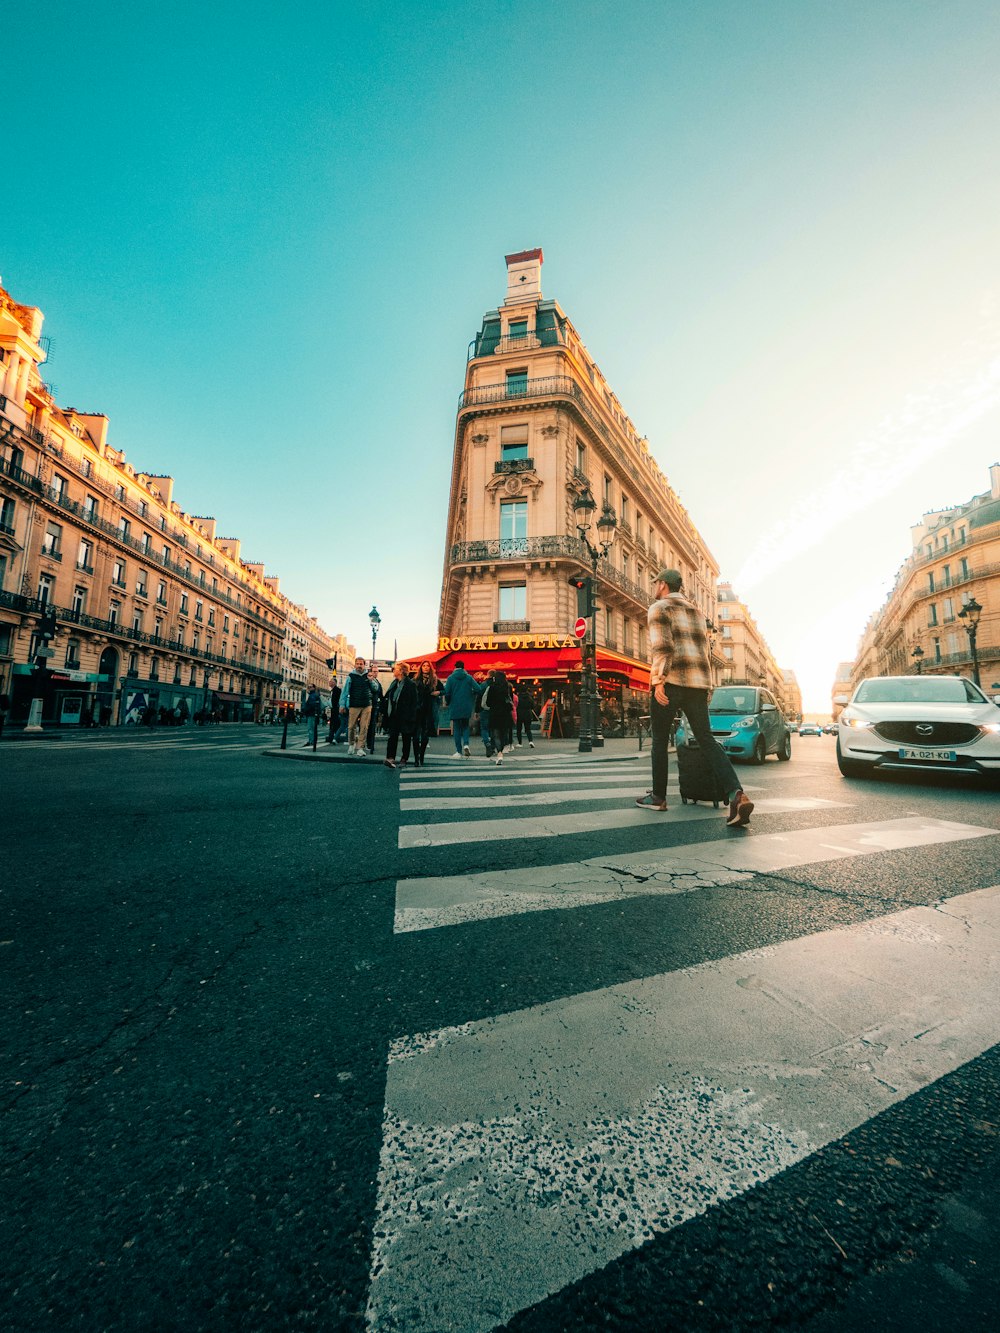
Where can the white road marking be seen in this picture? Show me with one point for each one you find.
(478, 801)
(534, 1148)
(552, 826)
(447, 900)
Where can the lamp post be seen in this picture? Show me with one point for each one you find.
(918, 657)
(374, 619)
(970, 613)
(591, 735)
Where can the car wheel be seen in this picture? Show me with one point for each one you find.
(785, 749)
(850, 768)
(759, 750)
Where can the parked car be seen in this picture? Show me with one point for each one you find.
(941, 723)
(747, 723)
(810, 729)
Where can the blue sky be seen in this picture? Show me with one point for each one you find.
(263, 237)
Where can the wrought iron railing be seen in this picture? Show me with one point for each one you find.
(68, 615)
(511, 627)
(560, 546)
(510, 465)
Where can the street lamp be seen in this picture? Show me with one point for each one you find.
(970, 613)
(591, 735)
(918, 657)
(374, 619)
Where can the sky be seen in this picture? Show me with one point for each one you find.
(263, 236)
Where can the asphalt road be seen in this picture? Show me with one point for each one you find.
(316, 1045)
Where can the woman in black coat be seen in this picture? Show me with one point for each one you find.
(525, 711)
(399, 712)
(499, 700)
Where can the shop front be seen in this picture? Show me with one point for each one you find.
(551, 665)
(68, 697)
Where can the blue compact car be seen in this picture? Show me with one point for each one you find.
(747, 723)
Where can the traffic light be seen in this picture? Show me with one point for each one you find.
(584, 586)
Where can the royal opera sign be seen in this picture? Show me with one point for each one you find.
(516, 642)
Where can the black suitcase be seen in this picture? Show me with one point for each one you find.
(697, 781)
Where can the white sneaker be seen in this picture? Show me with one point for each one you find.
(456, 755)
(466, 752)
(500, 758)
(531, 745)
(520, 746)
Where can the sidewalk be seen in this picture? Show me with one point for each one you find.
(442, 746)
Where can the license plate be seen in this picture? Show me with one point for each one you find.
(940, 756)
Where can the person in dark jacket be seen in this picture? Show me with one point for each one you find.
(499, 701)
(399, 712)
(377, 696)
(525, 711)
(430, 692)
(356, 706)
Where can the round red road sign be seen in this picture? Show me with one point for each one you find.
(580, 628)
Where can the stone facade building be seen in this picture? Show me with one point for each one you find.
(747, 659)
(955, 558)
(537, 425)
(113, 599)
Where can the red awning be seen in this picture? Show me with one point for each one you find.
(535, 663)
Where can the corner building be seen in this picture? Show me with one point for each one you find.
(538, 424)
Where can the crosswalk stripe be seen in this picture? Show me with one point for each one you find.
(478, 801)
(538, 1146)
(491, 781)
(446, 900)
(552, 826)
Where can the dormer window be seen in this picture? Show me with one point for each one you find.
(518, 328)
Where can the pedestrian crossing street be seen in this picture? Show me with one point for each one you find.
(564, 1135)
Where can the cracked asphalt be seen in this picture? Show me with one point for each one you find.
(200, 982)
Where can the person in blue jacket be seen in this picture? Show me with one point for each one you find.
(460, 694)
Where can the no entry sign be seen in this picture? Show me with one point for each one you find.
(580, 628)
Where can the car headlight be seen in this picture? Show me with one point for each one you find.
(747, 722)
(856, 721)
(990, 728)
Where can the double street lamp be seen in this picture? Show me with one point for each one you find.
(918, 657)
(374, 619)
(591, 735)
(970, 613)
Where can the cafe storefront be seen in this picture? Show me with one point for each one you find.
(552, 666)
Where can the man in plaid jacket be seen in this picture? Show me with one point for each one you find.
(680, 681)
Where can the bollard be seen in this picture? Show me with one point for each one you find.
(284, 734)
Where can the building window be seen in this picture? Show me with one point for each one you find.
(949, 609)
(930, 580)
(625, 510)
(73, 654)
(79, 601)
(124, 528)
(513, 442)
(85, 559)
(85, 467)
(7, 510)
(46, 586)
(114, 612)
(133, 664)
(514, 602)
(607, 490)
(964, 573)
(3, 569)
(514, 525)
(211, 615)
(137, 621)
(946, 579)
(161, 592)
(184, 604)
(140, 584)
(519, 328)
(581, 456)
(154, 669)
(166, 554)
(199, 610)
(937, 650)
(143, 508)
(517, 383)
(119, 492)
(52, 541)
(90, 508)
(59, 487)
(147, 543)
(118, 573)
(6, 637)
(932, 614)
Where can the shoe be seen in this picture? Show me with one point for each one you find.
(531, 745)
(740, 810)
(389, 763)
(520, 745)
(489, 754)
(500, 758)
(456, 755)
(650, 802)
(467, 752)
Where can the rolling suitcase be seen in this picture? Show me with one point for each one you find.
(697, 781)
